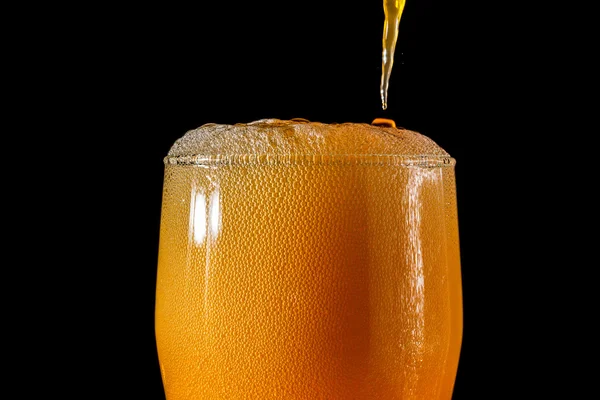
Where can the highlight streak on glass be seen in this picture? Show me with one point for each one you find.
(199, 217)
(393, 12)
(418, 178)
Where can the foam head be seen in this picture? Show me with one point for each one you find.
(299, 138)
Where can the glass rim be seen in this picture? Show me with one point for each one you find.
(424, 161)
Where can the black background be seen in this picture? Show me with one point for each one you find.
(132, 80)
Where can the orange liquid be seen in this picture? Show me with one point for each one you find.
(393, 12)
(308, 280)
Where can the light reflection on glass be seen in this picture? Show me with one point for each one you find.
(198, 213)
(414, 260)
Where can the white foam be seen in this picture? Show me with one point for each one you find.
(273, 137)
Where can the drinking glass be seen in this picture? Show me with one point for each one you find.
(301, 260)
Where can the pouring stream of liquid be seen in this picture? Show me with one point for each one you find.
(393, 12)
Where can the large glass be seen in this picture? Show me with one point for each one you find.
(308, 261)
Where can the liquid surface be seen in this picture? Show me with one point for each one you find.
(393, 12)
(307, 278)
(285, 138)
